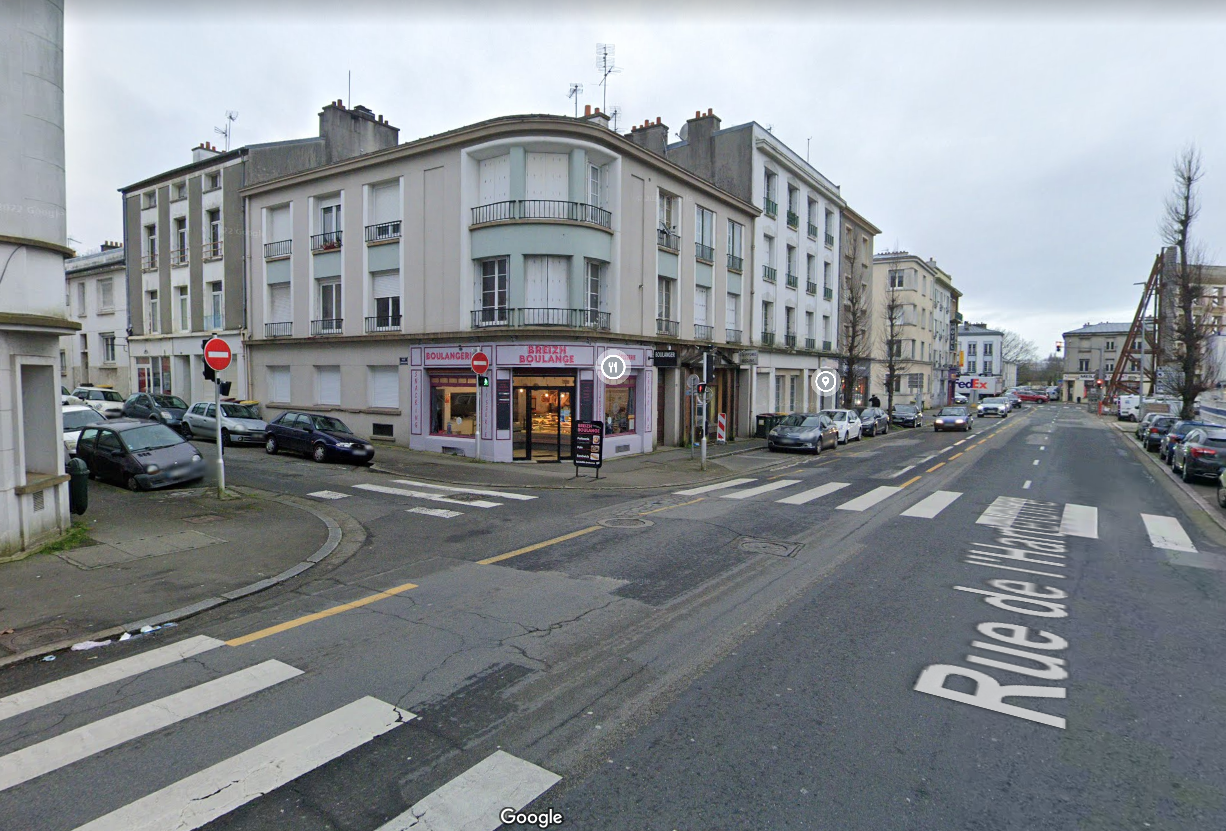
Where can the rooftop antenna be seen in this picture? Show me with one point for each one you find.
(575, 89)
(613, 114)
(607, 65)
(809, 139)
(350, 98)
(231, 117)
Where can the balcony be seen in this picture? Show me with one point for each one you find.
(279, 330)
(538, 209)
(383, 323)
(278, 250)
(668, 240)
(732, 335)
(214, 322)
(826, 346)
(667, 327)
(770, 208)
(327, 241)
(736, 264)
(810, 287)
(829, 240)
(768, 338)
(327, 326)
(178, 256)
(703, 332)
(149, 262)
(811, 344)
(789, 340)
(793, 220)
(768, 274)
(827, 292)
(518, 318)
(211, 250)
(792, 280)
(383, 232)
(704, 252)
(812, 231)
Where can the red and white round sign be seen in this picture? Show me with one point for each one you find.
(480, 363)
(217, 354)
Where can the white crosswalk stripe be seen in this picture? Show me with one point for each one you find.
(731, 483)
(761, 489)
(503, 494)
(441, 513)
(433, 497)
(1079, 521)
(1166, 532)
(66, 748)
(215, 791)
(473, 800)
(805, 497)
(868, 500)
(931, 505)
(328, 495)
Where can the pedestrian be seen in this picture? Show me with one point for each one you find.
(874, 401)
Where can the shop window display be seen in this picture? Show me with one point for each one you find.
(619, 408)
(453, 406)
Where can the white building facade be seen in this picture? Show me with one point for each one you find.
(96, 296)
(983, 371)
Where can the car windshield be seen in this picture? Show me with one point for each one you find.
(794, 420)
(332, 425)
(992, 401)
(77, 419)
(150, 437)
(837, 415)
(111, 395)
(952, 411)
(239, 411)
(906, 408)
(173, 401)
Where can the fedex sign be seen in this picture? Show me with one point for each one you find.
(985, 385)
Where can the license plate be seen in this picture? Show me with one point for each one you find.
(178, 472)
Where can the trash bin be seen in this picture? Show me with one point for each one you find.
(766, 422)
(78, 485)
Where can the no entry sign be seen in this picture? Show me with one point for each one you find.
(480, 363)
(217, 354)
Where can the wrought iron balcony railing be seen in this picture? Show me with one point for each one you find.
(827, 293)
(667, 327)
(826, 346)
(703, 332)
(704, 252)
(383, 231)
(812, 231)
(736, 264)
(327, 241)
(327, 326)
(789, 341)
(383, 323)
(520, 317)
(792, 280)
(768, 338)
(811, 344)
(667, 239)
(793, 219)
(829, 240)
(537, 209)
(768, 274)
(769, 207)
(732, 335)
(278, 250)
(810, 287)
(279, 330)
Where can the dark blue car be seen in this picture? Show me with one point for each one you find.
(321, 437)
(1166, 450)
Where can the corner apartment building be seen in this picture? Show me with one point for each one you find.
(793, 294)
(534, 239)
(856, 263)
(183, 231)
(928, 340)
(96, 296)
(1091, 354)
(984, 370)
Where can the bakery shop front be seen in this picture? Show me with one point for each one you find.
(537, 391)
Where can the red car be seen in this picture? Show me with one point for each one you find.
(1033, 397)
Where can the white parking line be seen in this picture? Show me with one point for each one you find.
(804, 497)
(1079, 521)
(433, 497)
(503, 494)
(1166, 532)
(217, 790)
(932, 505)
(83, 742)
(732, 483)
(474, 799)
(868, 500)
(767, 488)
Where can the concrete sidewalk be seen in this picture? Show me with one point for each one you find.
(157, 556)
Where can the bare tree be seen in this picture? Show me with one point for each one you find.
(893, 312)
(1183, 287)
(1015, 349)
(1046, 372)
(856, 350)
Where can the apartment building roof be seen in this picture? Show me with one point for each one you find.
(976, 330)
(1101, 329)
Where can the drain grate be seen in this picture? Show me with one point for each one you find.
(776, 548)
(626, 522)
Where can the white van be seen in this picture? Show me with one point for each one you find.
(1132, 409)
(1130, 406)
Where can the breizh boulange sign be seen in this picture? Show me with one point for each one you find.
(1030, 551)
(587, 448)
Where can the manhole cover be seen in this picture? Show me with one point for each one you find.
(198, 520)
(30, 638)
(626, 522)
(773, 547)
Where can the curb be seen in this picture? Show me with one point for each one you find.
(335, 535)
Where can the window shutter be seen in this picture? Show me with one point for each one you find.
(280, 308)
(329, 380)
(385, 203)
(385, 386)
(700, 306)
(278, 224)
(385, 284)
(278, 384)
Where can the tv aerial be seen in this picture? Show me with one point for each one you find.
(231, 117)
(575, 90)
(606, 63)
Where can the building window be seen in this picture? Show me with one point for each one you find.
(151, 310)
(63, 362)
(768, 318)
(972, 367)
(810, 326)
(280, 304)
(330, 306)
(153, 375)
(108, 347)
(778, 393)
(493, 290)
(212, 245)
(668, 213)
(664, 299)
(896, 279)
(987, 367)
(1110, 346)
(770, 193)
(595, 193)
(987, 350)
(212, 181)
(732, 308)
(972, 349)
(593, 292)
(704, 233)
(829, 224)
(106, 295)
(827, 280)
(279, 384)
(181, 304)
(453, 405)
(789, 320)
(178, 256)
(1083, 365)
(328, 385)
(217, 317)
(81, 299)
(619, 407)
(702, 303)
(385, 292)
(151, 199)
(384, 386)
(329, 236)
(1110, 367)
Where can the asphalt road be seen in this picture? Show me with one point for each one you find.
(744, 656)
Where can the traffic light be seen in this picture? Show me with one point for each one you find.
(701, 388)
(483, 380)
(224, 388)
(209, 373)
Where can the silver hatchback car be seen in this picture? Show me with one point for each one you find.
(240, 423)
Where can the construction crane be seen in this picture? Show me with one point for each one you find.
(1139, 331)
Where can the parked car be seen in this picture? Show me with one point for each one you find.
(167, 409)
(139, 455)
(76, 418)
(322, 437)
(239, 423)
(908, 415)
(1032, 396)
(1015, 403)
(873, 421)
(959, 398)
(67, 398)
(803, 431)
(1143, 424)
(1166, 451)
(848, 424)
(1201, 453)
(1158, 428)
(994, 407)
(953, 418)
(106, 401)
(1221, 489)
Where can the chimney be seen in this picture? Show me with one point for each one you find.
(653, 137)
(110, 246)
(354, 132)
(697, 133)
(595, 116)
(203, 151)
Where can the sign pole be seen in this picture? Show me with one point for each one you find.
(703, 463)
(477, 418)
(221, 456)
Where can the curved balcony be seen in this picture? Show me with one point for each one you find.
(518, 318)
(537, 210)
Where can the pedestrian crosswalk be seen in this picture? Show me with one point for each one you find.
(473, 800)
(430, 492)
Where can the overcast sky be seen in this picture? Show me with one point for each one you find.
(1028, 152)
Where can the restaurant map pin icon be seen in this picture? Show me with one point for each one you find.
(825, 381)
(614, 366)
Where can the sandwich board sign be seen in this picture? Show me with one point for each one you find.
(587, 447)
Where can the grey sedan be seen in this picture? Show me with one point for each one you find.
(803, 431)
(240, 423)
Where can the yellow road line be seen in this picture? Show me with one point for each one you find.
(934, 467)
(980, 442)
(335, 610)
(956, 455)
(670, 507)
(539, 545)
(911, 481)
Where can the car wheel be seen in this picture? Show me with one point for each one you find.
(133, 485)
(1183, 473)
(1221, 496)
(225, 437)
(187, 432)
(320, 453)
(270, 446)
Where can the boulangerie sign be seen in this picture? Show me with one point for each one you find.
(548, 354)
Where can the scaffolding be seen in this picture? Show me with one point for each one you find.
(1150, 337)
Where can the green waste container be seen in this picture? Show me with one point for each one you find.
(78, 485)
(766, 422)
